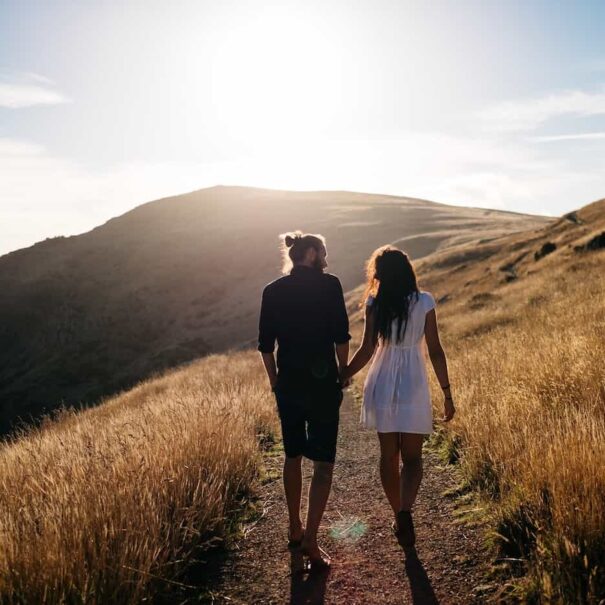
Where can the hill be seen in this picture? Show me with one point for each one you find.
(469, 278)
(528, 439)
(82, 317)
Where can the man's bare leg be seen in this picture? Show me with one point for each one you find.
(319, 492)
(293, 488)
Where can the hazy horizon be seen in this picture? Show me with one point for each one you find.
(273, 189)
(106, 106)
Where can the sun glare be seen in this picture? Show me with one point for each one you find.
(275, 78)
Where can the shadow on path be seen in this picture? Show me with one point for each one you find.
(370, 568)
(420, 585)
(306, 588)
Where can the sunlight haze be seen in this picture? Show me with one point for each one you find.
(106, 105)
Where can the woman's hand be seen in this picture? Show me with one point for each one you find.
(448, 409)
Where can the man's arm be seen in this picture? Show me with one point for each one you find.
(266, 337)
(269, 362)
(340, 326)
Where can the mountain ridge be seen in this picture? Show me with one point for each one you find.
(85, 316)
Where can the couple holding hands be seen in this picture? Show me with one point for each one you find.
(304, 312)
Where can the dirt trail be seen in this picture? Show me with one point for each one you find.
(368, 565)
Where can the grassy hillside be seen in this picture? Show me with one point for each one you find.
(101, 504)
(523, 318)
(172, 280)
(110, 504)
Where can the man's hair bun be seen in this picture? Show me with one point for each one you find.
(295, 244)
(291, 238)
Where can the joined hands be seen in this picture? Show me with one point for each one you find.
(345, 377)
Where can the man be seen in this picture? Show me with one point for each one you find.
(305, 312)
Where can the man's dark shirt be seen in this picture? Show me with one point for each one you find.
(305, 312)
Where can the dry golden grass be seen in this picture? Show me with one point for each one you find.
(530, 429)
(526, 365)
(97, 505)
(526, 361)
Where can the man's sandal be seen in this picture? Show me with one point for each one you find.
(295, 543)
(318, 564)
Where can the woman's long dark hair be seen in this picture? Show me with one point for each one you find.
(392, 281)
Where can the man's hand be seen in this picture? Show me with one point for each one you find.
(344, 376)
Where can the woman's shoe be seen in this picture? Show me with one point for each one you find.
(405, 529)
(398, 533)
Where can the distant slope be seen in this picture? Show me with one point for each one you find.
(82, 317)
(472, 276)
(469, 277)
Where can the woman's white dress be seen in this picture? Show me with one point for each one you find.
(396, 394)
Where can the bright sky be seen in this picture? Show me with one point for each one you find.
(105, 105)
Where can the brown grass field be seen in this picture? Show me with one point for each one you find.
(527, 361)
(531, 429)
(97, 505)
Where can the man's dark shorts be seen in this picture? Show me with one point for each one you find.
(309, 421)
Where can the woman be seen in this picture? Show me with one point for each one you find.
(396, 399)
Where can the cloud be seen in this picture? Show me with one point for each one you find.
(580, 136)
(43, 196)
(528, 114)
(29, 90)
(34, 77)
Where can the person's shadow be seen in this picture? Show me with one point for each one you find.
(306, 588)
(420, 585)
(310, 588)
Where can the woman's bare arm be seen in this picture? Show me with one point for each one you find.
(439, 361)
(436, 352)
(367, 347)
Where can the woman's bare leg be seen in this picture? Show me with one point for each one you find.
(411, 472)
(389, 468)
